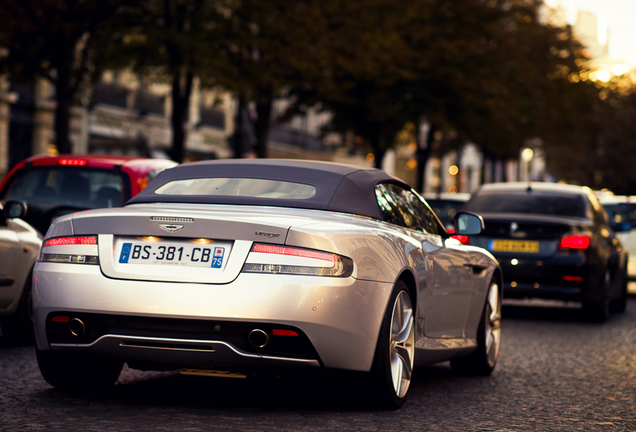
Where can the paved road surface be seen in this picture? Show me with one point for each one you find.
(556, 373)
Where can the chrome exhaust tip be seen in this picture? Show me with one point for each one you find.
(259, 338)
(77, 327)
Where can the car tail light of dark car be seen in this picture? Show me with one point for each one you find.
(575, 242)
(463, 239)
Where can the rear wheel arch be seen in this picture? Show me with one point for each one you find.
(408, 278)
(498, 276)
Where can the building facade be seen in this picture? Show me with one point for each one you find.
(124, 115)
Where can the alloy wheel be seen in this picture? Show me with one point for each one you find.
(402, 347)
(493, 325)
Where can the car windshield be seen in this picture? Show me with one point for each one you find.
(543, 203)
(445, 209)
(53, 190)
(244, 187)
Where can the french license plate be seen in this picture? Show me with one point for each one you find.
(172, 253)
(523, 246)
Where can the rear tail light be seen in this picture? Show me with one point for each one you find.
(290, 251)
(277, 259)
(65, 241)
(66, 250)
(463, 239)
(575, 242)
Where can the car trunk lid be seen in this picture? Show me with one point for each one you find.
(178, 243)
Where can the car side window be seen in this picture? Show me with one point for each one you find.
(430, 220)
(405, 208)
(389, 206)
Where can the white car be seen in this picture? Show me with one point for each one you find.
(622, 210)
(19, 247)
(237, 266)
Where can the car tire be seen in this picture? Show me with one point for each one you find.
(394, 355)
(78, 372)
(620, 304)
(483, 360)
(18, 328)
(599, 310)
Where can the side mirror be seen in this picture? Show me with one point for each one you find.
(468, 224)
(14, 209)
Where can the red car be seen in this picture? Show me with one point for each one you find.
(55, 185)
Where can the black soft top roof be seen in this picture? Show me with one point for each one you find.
(339, 187)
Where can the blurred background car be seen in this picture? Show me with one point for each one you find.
(553, 241)
(446, 205)
(51, 186)
(19, 247)
(622, 209)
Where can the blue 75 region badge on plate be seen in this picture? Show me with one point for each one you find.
(217, 259)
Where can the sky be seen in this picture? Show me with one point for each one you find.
(620, 17)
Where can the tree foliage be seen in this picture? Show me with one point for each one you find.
(266, 47)
(487, 71)
(67, 42)
(593, 141)
(173, 41)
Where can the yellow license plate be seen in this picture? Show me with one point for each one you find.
(524, 246)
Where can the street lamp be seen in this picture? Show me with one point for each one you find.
(526, 156)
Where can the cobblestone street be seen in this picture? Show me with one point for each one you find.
(556, 373)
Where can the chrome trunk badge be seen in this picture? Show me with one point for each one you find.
(171, 227)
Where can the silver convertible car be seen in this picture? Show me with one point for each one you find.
(232, 267)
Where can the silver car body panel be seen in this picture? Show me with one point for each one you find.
(337, 314)
(340, 316)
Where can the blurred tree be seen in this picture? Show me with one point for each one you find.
(363, 75)
(67, 42)
(267, 45)
(173, 41)
(480, 71)
(593, 141)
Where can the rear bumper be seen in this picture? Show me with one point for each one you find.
(548, 292)
(158, 353)
(179, 342)
(340, 317)
(565, 278)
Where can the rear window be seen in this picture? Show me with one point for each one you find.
(89, 188)
(243, 187)
(528, 202)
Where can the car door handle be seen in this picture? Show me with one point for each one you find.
(476, 268)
